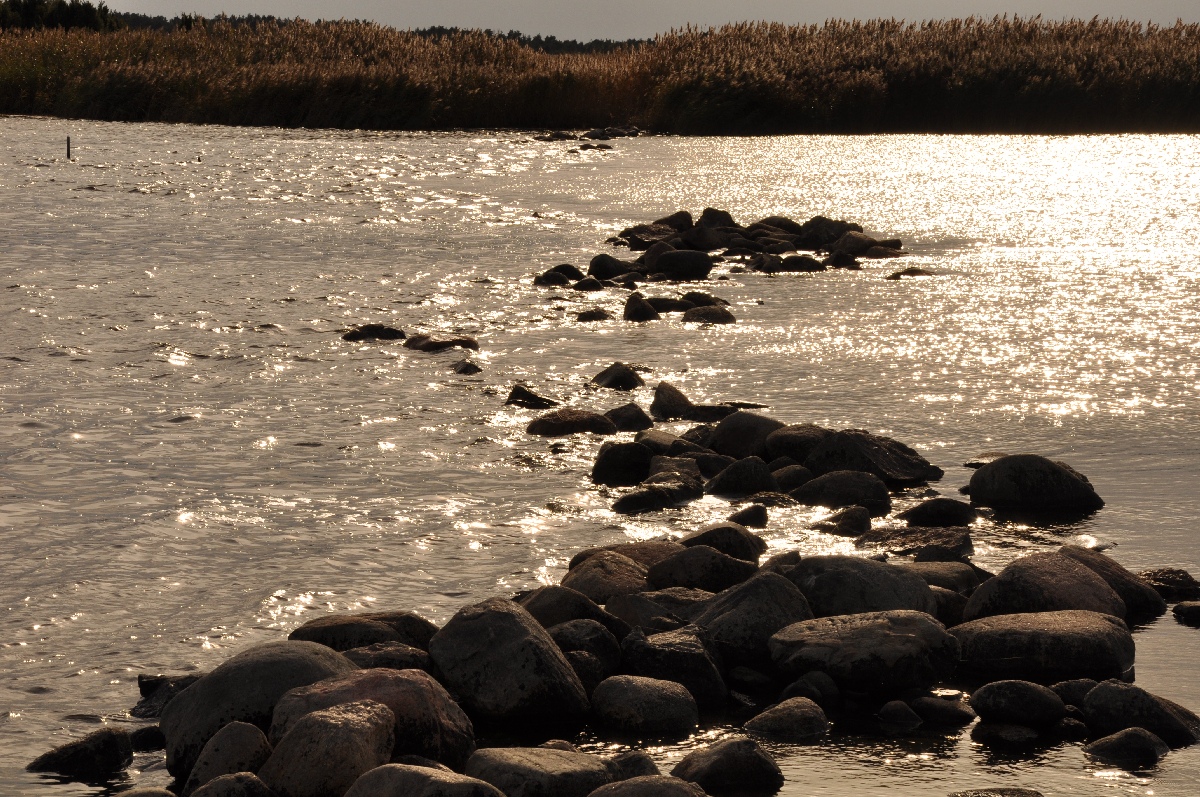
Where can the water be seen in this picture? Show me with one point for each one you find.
(193, 461)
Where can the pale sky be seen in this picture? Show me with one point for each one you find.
(629, 19)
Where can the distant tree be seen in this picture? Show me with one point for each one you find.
(65, 14)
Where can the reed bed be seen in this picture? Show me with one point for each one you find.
(972, 75)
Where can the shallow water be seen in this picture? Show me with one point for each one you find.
(193, 461)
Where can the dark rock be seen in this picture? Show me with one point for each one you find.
(629, 418)
(679, 656)
(1114, 706)
(700, 434)
(942, 713)
(662, 495)
(950, 606)
(940, 512)
(683, 466)
(877, 652)
(1046, 647)
(669, 304)
(796, 441)
(840, 585)
(1172, 583)
(791, 477)
(796, 721)
(589, 669)
(369, 332)
(1043, 582)
(743, 434)
(743, 618)
(1032, 483)
(551, 279)
(702, 299)
(566, 421)
(645, 706)
(979, 460)
(911, 271)
(670, 403)
(729, 538)
(817, 687)
(588, 285)
(538, 772)
(701, 567)
(800, 264)
(711, 217)
(433, 345)
(849, 521)
(744, 477)
(238, 747)
(1005, 736)
(754, 516)
(1140, 599)
(910, 540)
(897, 717)
(781, 562)
(681, 601)
(954, 576)
(241, 784)
(1074, 692)
(96, 757)
(894, 463)
(735, 765)
(846, 488)
(1187, 612)
(567, 270)
(853, 242)
(157, 691)
(1132, 748)
(1018, 703)
(466, 367)
(346, 631)
(632, 764)
(590, 637)
(503, 665)
(645, 553)
(684, 265)
(400, 780)
(1070, 729)
(618, 376)
(522, 396)
(593, 314)
(148, 739)
(709, 315)
(622, 464)
(650, 786)
(393, 655)
(841, 260)
(554, 604)
(997, 793)
(638, 309)
(605, 575)
(638, 611)
(605, 267)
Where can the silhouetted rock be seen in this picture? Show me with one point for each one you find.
(1018, 703)
(370, 332)
(1114, 706)
(796, 720)
(940, 512)
(645, 706)
(736, 765)
(567, 421)
(97, 756)
(894, 463)
(1043, 582)
(1140, 599)
(618, 376)
(621, 464)
(846, 488)
(1132, 748)
(1032, 483)
(701, 567)
(844, 585)
(522, 396)
(681, 656)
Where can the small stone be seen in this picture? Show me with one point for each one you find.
(618, 376)
(1132, 748)
(521, 396)
(95, 757)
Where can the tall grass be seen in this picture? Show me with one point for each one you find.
(884, 75)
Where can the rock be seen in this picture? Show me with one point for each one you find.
(591, 637)
(894, 463)
(629, 418)
(555, 604)
(659, 495)
(791, 477)
(1172, 583)
(618, 376)
(743, 618)
(846, 488)
(632, 764)
(841, 260)
(324, 752)
(503, 666)
(559, 423)
(650, 786)
(1005, 736)
(567, 270)
(638, 309)
(241, 784)
(398, 780)
(427, 721)
(642, 612)
(646, 553)
(896, 717)
(1140, 599)
(1073, 692)
(735, 765)
(754, 516)
(877, 652)
(796, 441)
(797, 720)
(911, 271)
(593, 314)
(840, 585)
(1132, 748)
(670, 403)
(997, 793)
(433, 345)
(711, 217)
(1046, 647)
(148, 792)
(589, 669)
(709, 315)
(954, 576)
(678, 656)
(238, 747)
(729, 538)
(646, 707)
(942, 713)
(910, 540)
(148, 739)
(243, 688)
(157, 691)
(853, 243)
(1187, 612)
(817, 687)
(1018, 703)
(800, 264)
(744, 477)
(466, 367)
(849, 521)
(1114, 706)
(702, 299)
(521, 396)
(700, 567)
(538, 772)
(606, 575)
(343, 632)
(1043, 582)
(681, 601)
(940, 512)
(370, 332)
(393, 655)
(683, 466)
(950, 606)
(781, 562)
(96, 757)
(744, 434)
(1029, 482)
(588, 285)
(605, 267)
(684, 265)
(551, 279)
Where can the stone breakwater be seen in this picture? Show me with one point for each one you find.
(649, 641)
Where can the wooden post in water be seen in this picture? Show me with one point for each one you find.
(68, 148)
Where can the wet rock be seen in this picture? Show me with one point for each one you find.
(954, 576)
(942, 713)
(241, 784)
(621, 464)
(646, 553)
(554, 604)
(593, 314)
(370, 332)
(940, 512)
(877, 652)
(999, 792)
(894, 463)
(853, 242)
(551, 279)
(702, 299)
(849, 521)
(1172, 583)
(910, 540)
(1132, 748)
(427, 720)
(796, 721)
(638, 611)
(796, 441)
(1046, 647)
(754, 516)
(148, 792)
(817, 687)
(1070, 729)
(1018, 703)
(736, 765)
(243, 688)
(466, 367)
(683, 265)
(589, 669)
(560, 423)
(841, 585)
(638, 309)
(1032, 483)
(700, 567)
(632, 764)
(326, 751)
(683, 466)
(743, 618)
(709, 315)
(1187, 612)
(538, 772)
(661, 495)
(618, 376)
(645, 706)
(591, 637)
(679, 656)
(897, 717)
(650, 786)
(800, 264)
(671, 404)
(846, 488)
(1140, 599)
(605, 575)
(744, 477)
(148, 739)
(393, 655)
(791, 477)
(744, 434)
(521, 396)
(1073, 692)
(781, 562)
(700, 435)
(1005, 736)
(503, 666)
(567, 270)
(732, 539)
(433, 345)
(1043, 582)
(669, 304)
(681, 601)
(629, 418)
(96, 757)
(157, 691)
(950, 606)
(588, 285)
(605, 267)
(1114, 706)
(238, 747)
(347, 631)
(399, 780)
(911, 271)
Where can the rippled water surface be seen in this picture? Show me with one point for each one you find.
(192, 460)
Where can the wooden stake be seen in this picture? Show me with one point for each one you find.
(68, 148)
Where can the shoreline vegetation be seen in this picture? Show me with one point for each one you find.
(1000, 75)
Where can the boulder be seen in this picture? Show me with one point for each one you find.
(736, 765)
(1073, 692)
(629, 418)
(683, 466)
(521, 396)
(538, 772)
(1018, 703)
(588, 285)
(940, 512)
(324, 752)
(731, 539)
(1187, 612)
(394, 655)
(638, 611)
(148, 739)
(243, 688)
(853, 243)
(632, 764)
(593, 314)
(897, 718)
(846, 488)
(566, 421)
(646, 552)
(399, 780)
(1007, 737)
(638, 309)
(651, 497)
(670, 403)
(604, 266)
(1114, 706)
(591, 637)
(744, 434)
(1172, 583)
(709, 315)
(838, 585)
(372, 332)
(157, 691)
(792, 476)
(1140, 599)
(744, 477)
(645, 707)
(428, 722)
(650, 786)
(796, 441)
(894, 463)
(466, 367)
(1132, 748)
(753, 516)
(1032, 483)
(346, 631)
(911, 540)
(679, 656)
(1046, 647)
(743, 618)
(878, 652)
(241, 784)
(954, 576)
(796, 721)
(950, 606)
(431, 345)
(700, 567)
(555, 604)
(817, 687)
(682, 601)
(849, 521)
(1043, 582)
(503, 666)
(589, 669)
(684, 265)
(96, 757)
(238, 747)
(941, 713)
(606, 575)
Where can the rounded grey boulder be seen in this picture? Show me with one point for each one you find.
(840, 585)
(736, 765)
(1132, 748)
(796, 720)
(647, 707)
(1032, 483)
(605, 575)
(238, 747)
(846, 488)
(1043, 582)
(1113, 706)
(1019, 703)
(742, 619)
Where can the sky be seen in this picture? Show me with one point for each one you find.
(635, 19)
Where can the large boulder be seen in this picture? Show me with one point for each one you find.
(1043, 582)
(743, 434)
(953, 541)
(650, 786)
(796, 441)
(849, 521)
(796, 720)
(646, 707)
(326, 751)
(837, 585)
(645, 552)
(567, 421)
(1114, 706)
(96, 757)
(238, 747)
(555, 604)
(700, 567)
(684, 265)
(742, 618)
(244, 688)
(940, 512)
(395, 655)
(846, 488)
(955, 576)
(642, 612)
(1141, 600)
(402, 780)
(619, 376)
(427, 720)
(606, 575)
(731, 539)
(239, 784)
(878, 652)
(1018, 703)
(651, 497)
(733, 766)
(347, 631)
(1046, 647)
(743, 477)
(1032, 483)
(1132, 748)
(591, 637)
(621, 464)
(503, 666)
(679, 656)
(538, 771)
(894, 463)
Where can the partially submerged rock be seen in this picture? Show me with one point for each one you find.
(1044, 582)
(797, 720)
(894, 463)
(846, 488)
(647, 707)
(736, 765)
(95, 757)
(399, 780)
(1032, 483)
(538, 771)
(1131, 748)
(1114, 706)
(567, 421)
